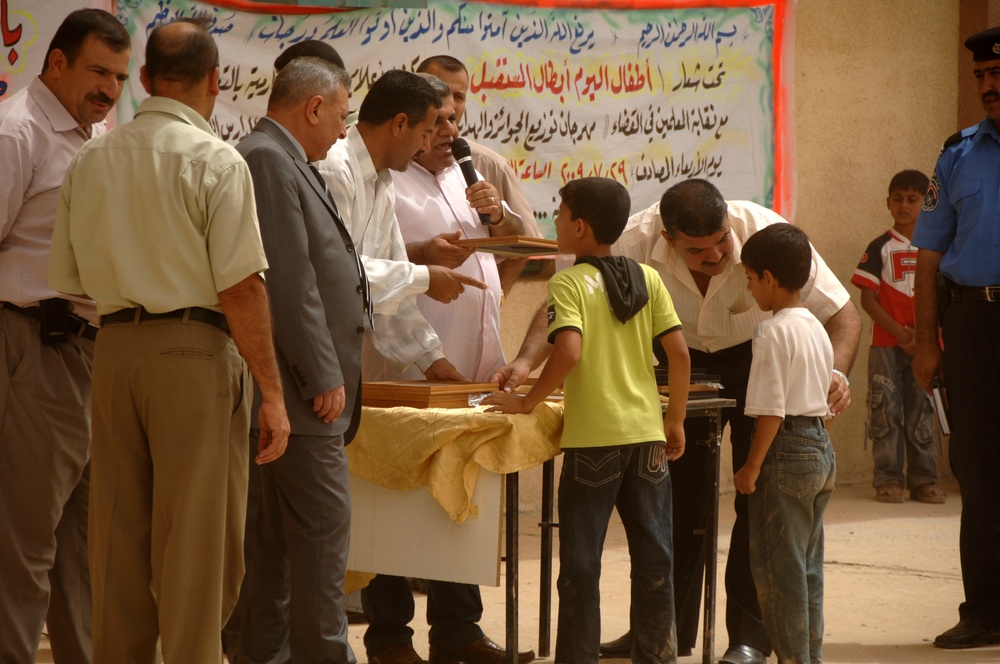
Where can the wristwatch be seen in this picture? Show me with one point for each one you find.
(503, 215)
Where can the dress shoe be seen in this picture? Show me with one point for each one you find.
(743, 655)
(483, 651)
(619, 648)
(967, 633)
(398, 654)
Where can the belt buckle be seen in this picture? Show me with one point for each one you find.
(992, 293)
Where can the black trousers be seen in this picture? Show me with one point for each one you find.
(453, 613)
(691, 496)
(972, 378)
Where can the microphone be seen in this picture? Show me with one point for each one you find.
(463, 155)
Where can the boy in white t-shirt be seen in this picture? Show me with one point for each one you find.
(789, 473)
(605, 312)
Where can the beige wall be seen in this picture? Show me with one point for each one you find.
(875, 90)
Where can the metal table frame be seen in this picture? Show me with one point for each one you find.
(710, 408)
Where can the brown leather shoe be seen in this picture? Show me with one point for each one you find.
(399, 654)
(483, 651)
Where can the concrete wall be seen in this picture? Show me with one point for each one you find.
(875, 89)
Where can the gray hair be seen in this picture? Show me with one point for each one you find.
(440, 87)
(303, 78)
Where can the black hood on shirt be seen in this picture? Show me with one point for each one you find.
(624, 283)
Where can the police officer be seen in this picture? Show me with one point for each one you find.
(957, 235)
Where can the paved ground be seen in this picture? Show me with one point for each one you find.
(892, 583)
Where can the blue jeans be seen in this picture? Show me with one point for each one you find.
(635, 480)
(786, 538)
(900, 420)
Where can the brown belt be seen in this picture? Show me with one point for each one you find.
(973, 294)
(139, 315)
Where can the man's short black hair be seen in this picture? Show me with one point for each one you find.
(185, 58)
(603, 203)
(79, 25)
(695, 208)
(445, 62)
(909, 179)
(398, 91)
(310, 48)
(783, 250)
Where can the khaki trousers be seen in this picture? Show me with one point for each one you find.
(171, 405)
(44, 449)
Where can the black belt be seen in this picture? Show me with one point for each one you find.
(959, 293)
(83, 328)
(140, 315)
(792, 421)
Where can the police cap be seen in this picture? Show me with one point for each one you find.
(985, 45)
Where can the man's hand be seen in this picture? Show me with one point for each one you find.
(444, 371)
(485, 199)
(927, 364)
(745, 479)
(909, 341)
(329, 405)
(505, 402)
(839, 395)
(274, 431)
(439, 251)
(510, 376)
(447, 285)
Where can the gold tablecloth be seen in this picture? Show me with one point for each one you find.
(443, 449)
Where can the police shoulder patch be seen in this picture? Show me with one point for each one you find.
(931, 197)
(551, 311)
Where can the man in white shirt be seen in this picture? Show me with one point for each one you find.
(493, 167)
(432, 201)
(45, 387)
(696, 249)
(395, 122)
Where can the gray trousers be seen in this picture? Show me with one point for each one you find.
(44, 488)
(295, 578)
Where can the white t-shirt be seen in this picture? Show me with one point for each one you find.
(792, 366)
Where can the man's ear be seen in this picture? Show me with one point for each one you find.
(213, 82)
(671, 241)
(767, 278)
(399, 124)
(313, 109)
(144, 79)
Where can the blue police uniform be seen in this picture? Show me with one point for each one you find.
(960, 219)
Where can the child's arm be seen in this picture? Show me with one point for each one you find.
(565, 355)
(745, 479)
(679, 376)
(903, 334)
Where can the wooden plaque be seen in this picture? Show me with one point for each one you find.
(422, 394)
(518, 246)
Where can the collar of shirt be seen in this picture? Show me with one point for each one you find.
(987, 128)
(177, 109)
(291, 139)
(373, 179)
(60, 119)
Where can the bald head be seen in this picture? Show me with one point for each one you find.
(181, 53)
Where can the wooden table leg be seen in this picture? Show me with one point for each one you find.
(545, 573)
(513, 509)
(712, 533)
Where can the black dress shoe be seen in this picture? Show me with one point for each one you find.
(619, 648)
(967, 633)
(743, 655)
(482, 651)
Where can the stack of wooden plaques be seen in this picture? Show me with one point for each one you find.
(422, 394)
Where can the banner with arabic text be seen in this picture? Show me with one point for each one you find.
(646, 96)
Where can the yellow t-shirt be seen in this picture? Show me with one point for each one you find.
(611, 395)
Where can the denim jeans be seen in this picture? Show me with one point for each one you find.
(900, 420)
(635, 480)
(786, 538)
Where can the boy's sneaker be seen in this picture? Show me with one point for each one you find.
(929, 493)
(889, 493)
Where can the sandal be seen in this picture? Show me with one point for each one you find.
(889, 493)
(929, 493)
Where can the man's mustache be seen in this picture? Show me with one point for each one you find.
(100, 98)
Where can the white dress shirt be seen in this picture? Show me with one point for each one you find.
(727, 314)
(428, 204)
(38, 140)
(365, 199)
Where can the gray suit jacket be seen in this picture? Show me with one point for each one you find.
(313, 282)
